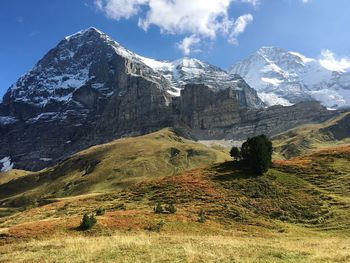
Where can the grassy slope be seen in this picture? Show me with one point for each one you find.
(309, 138)
(110, 167)
(11, 175)
(297, 212)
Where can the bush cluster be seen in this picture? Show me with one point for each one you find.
(158, 209)
(256, 152)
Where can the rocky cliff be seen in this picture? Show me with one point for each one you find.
(209, 115)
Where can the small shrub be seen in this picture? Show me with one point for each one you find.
(87, 222)
(100, 211)
(171, 209)
(120, 207)
(174, 152)
(158, 209)
(201, 216)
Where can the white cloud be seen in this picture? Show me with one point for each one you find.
(329, 61)
(253, 2)
(195, 19)
(305, 1)
(239, 27)
(187, 43)
(118, 9)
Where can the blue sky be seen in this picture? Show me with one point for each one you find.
(221, 32)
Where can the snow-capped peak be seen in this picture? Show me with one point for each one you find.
(189, 71)
(72, 64)
(76, 62)
(83, 32)
(285, 77)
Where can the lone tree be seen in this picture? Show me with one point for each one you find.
(257, 152)
(235, 153)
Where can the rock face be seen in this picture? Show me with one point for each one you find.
(89, 90)
(284, 78)
(219, 116)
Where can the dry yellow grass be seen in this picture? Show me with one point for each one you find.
(144, 247)
(12, 174)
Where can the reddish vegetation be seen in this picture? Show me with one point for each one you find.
(293, 162)
(124, 219)
(44, 227)
(305, 161)
(192, 181)
(333, 150)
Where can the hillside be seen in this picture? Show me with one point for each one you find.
(11, 175)
(297, 212)
(110, 167)
(308, 138)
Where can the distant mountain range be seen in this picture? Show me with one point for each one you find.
(90, 90)
(283, 77)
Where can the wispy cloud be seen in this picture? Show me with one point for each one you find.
(195, 20)
(187, 44)
(239, 27)
(331, 62)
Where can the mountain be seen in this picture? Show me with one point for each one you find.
(285, 78)
(90, 90)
